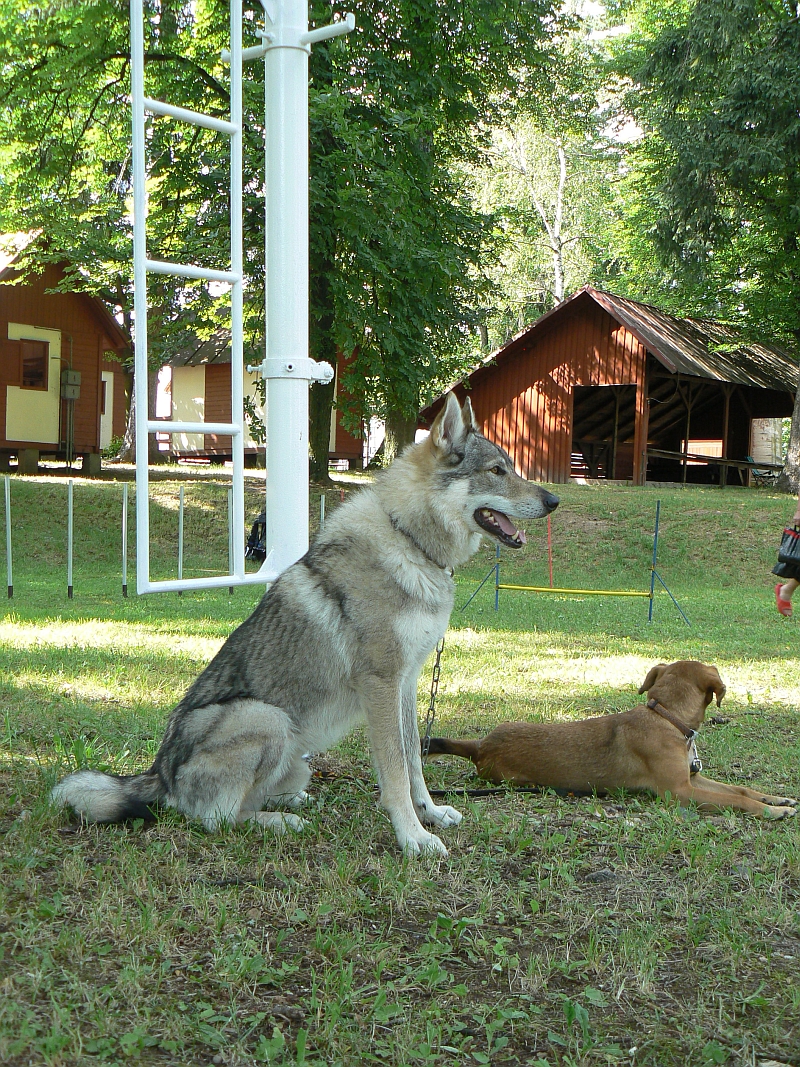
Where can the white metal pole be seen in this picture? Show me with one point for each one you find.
(180, 536)
(9, 573)
(321, 510)
(140, 297)
(124, 539)
(236, 507)
(69, 539)
(286, 146)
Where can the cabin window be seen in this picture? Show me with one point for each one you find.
(35, 357)
(103, 386)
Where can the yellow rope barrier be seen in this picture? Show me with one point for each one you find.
(578, 592)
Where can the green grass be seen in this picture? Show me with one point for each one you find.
(559, 931)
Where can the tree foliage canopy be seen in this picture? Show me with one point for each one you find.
(397, 247)
(712, 192)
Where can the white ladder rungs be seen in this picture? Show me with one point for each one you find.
(158, 107)
(187, 270)
(165, 426)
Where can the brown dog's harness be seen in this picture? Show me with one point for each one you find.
(695, 763)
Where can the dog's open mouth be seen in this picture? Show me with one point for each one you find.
(500, 526)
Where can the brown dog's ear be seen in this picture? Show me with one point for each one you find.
(652, 676)
(716, 687)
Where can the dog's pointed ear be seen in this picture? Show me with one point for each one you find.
(468, 415)
(450, 427)
(716, 686)
(652, 677)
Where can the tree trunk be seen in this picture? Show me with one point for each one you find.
(788, 481)
(320, 405)
(127, 454)
(323, 349)
(400, 431)
(322, 264)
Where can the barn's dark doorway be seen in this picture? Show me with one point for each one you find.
(603, 425)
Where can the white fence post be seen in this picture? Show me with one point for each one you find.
(9, 572)
(124, 539)
(180, 537)
(69, 539)
(231, 545)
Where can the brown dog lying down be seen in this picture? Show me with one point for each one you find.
(649, 747)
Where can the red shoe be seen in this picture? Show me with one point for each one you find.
(783, 606)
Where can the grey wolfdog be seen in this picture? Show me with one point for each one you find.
(340, 637)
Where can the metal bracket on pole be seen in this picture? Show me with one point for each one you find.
(324, 33)
(308, 369)
(288, 37)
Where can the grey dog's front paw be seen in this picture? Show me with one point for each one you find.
(423, 844)
(441, 815)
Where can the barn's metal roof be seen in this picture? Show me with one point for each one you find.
(700, 347)
(696, 347)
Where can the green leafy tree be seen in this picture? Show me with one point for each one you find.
(397, 112)
(551, 196)
(712, 198)
(549, 190)
(397, 248)
(66, 165)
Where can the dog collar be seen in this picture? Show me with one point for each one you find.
(695, 763)
(400, 529)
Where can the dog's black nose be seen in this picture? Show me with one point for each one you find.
(551, 502)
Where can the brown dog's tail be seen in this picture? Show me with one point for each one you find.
(442, 746)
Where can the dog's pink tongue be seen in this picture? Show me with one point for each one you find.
(508, 527)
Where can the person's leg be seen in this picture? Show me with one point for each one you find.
(783, 595)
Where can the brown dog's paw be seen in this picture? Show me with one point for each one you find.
(772, 811)
(780, 802)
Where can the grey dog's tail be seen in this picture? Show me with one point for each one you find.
(443, 746)
(99, 797)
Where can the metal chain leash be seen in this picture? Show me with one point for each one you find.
(431, 715)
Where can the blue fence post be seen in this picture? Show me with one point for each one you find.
(653, 567)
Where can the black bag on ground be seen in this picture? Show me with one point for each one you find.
(256, 547)
(788, 565)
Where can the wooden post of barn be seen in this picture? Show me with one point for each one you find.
(727, 390)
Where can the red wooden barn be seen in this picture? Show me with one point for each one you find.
(607, 387)
(63, 391)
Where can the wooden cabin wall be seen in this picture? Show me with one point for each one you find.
(83, 342)
(525, 403)
(218, 406)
